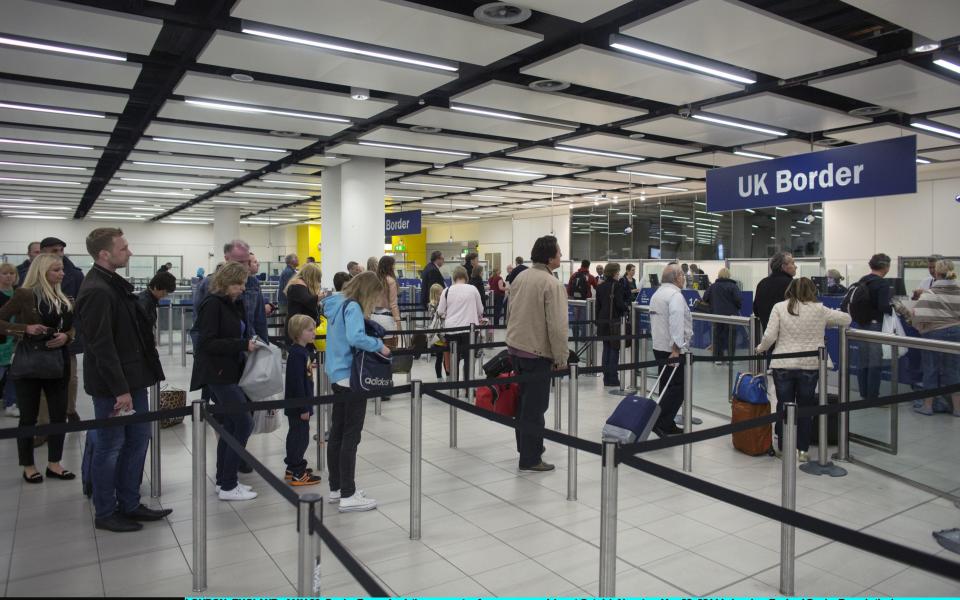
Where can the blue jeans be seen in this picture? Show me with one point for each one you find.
(498, 304)
(800, 386)
(118, 457)
(610, 361)
(941, 368)
(8, 392)
(871, 366)
(298, 438)
(239, 426)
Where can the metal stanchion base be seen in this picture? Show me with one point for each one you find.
(815, 468)
(836, 457)
(679, 420)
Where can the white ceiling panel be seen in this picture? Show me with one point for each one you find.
(885, 131)
(575, 10)
(321, 160)
(49, 135)
(523, 165)
(47, 150)
(183, 159)
(498, 177)
(213, 134)
(623, 178)
(946, 154)
(787, 147)
(620, 73)
(661, 168)
(521, 99)
(717, 159)
(394, 24)
(245, 52)
(81, 25)
(454, 181)
(440, 141)
(559, 182)
(704, 132)
(33, 169)
(175, 109)
(408, 167)
(935, 19)
(565, 157)
(135, 179)
(47, 160)
(44, 119)
(950, 118)
(619, 143)
(460, 121)
(788, 113)
(738, 34)
(68, 68)
(146, 143)
(274, 95)
(896, 84)
(61, 97)
(300, 169)
(392, 153)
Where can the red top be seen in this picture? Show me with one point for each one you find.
(591, 279)
(495, 285)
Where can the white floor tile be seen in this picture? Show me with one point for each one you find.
(698, 574)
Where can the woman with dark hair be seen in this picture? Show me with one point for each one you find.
(499, 289)
(610, 308)
(469, 261)
(162, 284)
(387, 311)
(798, 324)
(476, 280)
(629, 283)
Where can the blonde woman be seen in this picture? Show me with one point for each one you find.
(40, 311)
(8, 277)
(387, 312)
(346, 333)
(303, 292)
(443, 359)
(937, 317)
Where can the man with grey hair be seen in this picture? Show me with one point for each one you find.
(354, 268)
(927, 282)
(253, 305)
(293, 261)
(671, 326)
(773, 287)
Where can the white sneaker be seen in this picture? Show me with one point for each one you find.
(357, 503)
(237, 493)
(242, 486)
(334, 496)
(12, 411)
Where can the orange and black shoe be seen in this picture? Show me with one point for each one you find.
(305, 479)
(288, 474)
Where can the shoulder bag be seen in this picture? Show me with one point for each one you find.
(32, 359)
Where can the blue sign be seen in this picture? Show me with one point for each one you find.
(402, 223)
(858, 171)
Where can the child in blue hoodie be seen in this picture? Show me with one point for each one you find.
(299, 384)
(346, 334)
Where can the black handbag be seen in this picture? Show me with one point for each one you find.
(33, 360)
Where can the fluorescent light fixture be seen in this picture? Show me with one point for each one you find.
(450, 204)
(17, 200)
(486, 196)
(51, 181)
(230, 202)
(180, 222)
(935, 128)
(301, 183)
(782, 209)
(947, 64)
(652, 175)
(412, 148)
(167, 181)
(217, 145)
(396, 196)
(654, 52)
(738, 125)
(124, 201)
(439, 185)
(597, 152)
(150, 193)
(202, 219)
(818, 210)
(271, 195)
(176, 166)
(505, 171)
(448, 216)
(751, 211)
(922, 161)
(487, 210)
(577, 190)
(753, 155)
(40, 166)
(676, 189)
(259, 110)
(318, 42)
(47, 144)
(127, 218)
(755, 226)
(34, 207)
(25, 216)
(110, 212)
(59, 111)
(9, 41)
(510, 116)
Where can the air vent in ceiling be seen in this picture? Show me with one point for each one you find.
(501, 13)
(241, 77)
(287, 134)
(548, 85)
(827, 142)
(868, 111)
(425, 129)
(637, 136)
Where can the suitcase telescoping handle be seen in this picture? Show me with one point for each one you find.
(656, 383)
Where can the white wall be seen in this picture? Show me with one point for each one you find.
(193, 242)
(509, 236)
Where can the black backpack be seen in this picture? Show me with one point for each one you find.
(856, 302)
(580, 288)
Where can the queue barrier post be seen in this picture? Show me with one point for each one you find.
(468, 366)
(378, 406)
(621, 358)
(608, 519)
(758, 366)
(308, 555)
(788, 499)
(843, 419)
(416, 458)
(183, 336)
(572, 399)
(199, 450)
(634, 352)
(321, 412)
(643, 372)
(688, 409)
(823, 465)
(557, 399)
(455, 376)
(592, 332)
(154, 405)
(170, 329)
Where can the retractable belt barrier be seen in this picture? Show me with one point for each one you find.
(807, 354)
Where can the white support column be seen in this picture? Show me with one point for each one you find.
(361, 211)
(330, 233)
(226, 228)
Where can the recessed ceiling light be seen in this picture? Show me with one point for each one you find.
(941, 129)
(10, 216)
(548, 85)
(827, 142)
(396, 196)
(868, 111)
(168, 182)
(300, 183)
(34, 207)
(510, 116)
(23, 43)
(46, 109)
(425, 129)
(284, 133)
(47, 144)
(923, 161)
(182, 222)
(738, 125)
(216, 144)
(260, 110)
(675, 189)
(17, 200)
(298, 37)
(923, 44)
(413, 148)
(50, 181)
(241, 77)
(677, 59)
(40, 166)
(485, 196)
(449, 204)
(176, 166)
(566, 148)
(124, 201)
(501, 13)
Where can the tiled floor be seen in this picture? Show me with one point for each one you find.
(487, 530)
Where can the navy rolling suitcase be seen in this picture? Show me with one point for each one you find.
(635, 416)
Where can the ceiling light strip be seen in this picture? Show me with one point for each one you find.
(753, 155)
(738, 125)
(176, 166)
(217, 145)
(653, 52)
(44, 109)
(645, 174)
(168, 182)
(47, 144)
(413, 148)
(439, 185)
(577, 150)
(505, 172)
(40, 166)
(940, 129)
(510, 116)
(22, 43)
(270, 111)
(51, 181)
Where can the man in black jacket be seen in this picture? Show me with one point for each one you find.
(121, 365)
(871, 354)
(33, 249)
(773, 287)
(431, 275)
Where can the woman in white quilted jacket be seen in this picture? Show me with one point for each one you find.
(798, 324)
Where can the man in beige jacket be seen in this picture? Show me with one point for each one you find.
(537, 342)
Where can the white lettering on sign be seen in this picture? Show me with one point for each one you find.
(786, 181)
(398, 224)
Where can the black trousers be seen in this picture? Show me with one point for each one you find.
(28, 399)
(534, 400)
(298, 438)
(498, 303)
(346, 423)
(671, 398)
(462, 339)
(723, 343)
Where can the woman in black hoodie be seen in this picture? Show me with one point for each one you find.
(610, 308)
(723, 296)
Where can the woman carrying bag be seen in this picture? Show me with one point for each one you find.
(346, 335)
(387, 311)
(610, 308)
(303, 293)
(218, 365)
(44, 324)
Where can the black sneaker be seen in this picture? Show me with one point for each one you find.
(142, 513)
(660, 432)
(118, 523)
(540, 467)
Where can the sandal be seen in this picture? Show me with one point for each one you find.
(65, 474)
(35, 478)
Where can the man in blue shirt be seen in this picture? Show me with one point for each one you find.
(288, 272)
(253, 305)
